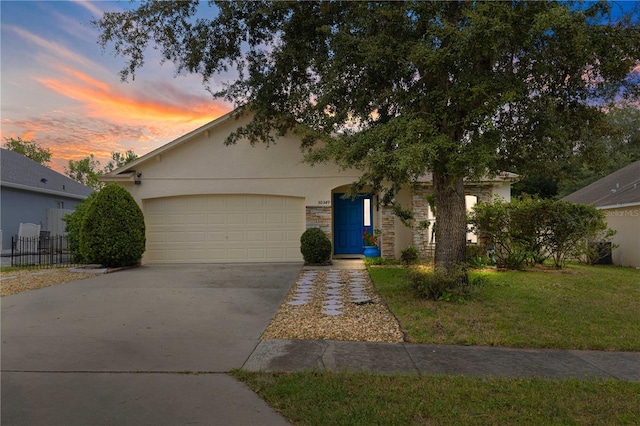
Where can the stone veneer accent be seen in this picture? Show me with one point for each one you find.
(319, 217)
(420, 208)
(388, 243)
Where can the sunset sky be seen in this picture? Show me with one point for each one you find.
(61, 90)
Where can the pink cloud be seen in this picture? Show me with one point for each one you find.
(103, 100)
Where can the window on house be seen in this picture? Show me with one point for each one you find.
(367, 212)
(60, 204)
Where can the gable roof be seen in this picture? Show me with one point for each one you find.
(619, 189)
(20, 172)
(126, 172)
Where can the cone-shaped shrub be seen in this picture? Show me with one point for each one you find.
(112, 232)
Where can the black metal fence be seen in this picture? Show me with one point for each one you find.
(41, 252)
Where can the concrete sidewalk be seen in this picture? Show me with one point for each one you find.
(389, 358)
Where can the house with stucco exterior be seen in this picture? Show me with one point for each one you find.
(205, 202)
(618, 196)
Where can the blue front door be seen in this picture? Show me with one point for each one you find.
(350, 218)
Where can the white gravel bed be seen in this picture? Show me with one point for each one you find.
(334, 305)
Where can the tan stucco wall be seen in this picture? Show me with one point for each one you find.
(503, 190)
(204, 165)
(626, 221)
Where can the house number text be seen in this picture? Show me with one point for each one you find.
(324, 202)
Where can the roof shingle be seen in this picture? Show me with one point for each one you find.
(618, 188)
(17, 169)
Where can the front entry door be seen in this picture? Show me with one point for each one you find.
(351, 218)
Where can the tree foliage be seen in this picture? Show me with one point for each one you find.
(530, 230)
(118, 160)
(615, 149)
(615, 145)
(396, 89)
(29, 149)
(87, 170)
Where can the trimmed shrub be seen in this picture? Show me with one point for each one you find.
(113, 232)
(315, 246)
(73, 225)
(530, 230)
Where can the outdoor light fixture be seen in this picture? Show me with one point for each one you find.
(138, 181)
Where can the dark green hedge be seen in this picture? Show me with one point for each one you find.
(315, 246)
(112, 232)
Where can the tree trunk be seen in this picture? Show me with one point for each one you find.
(451, 225)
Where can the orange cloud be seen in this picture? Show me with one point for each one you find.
(103, 116)
(102, 100)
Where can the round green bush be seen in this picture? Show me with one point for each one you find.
(112, 232)
(73, 224)
(315, 246)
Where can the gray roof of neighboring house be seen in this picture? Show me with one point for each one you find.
(18, 171)
(620, 188)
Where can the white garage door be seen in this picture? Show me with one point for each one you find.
(223, 228)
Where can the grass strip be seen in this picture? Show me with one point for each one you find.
(327, 398)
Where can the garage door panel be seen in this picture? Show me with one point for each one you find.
(158, 255)
(197, 219)
(256, 254)
(236, 202)
(256, 236)
(176, 219)
(236, 218)
(197, 237)
(173, 255)
(216, 236)
(176, 237)
(255, 218)
(224, 228)
(276, 236)
(155, 237)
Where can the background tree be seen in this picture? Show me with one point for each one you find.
(29, 149)
(118, 160)
(616, 145)
(459, 89)
(87, 170)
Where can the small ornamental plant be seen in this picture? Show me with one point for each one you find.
(370, 238)
(315, 247)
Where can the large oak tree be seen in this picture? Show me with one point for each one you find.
(398, 89)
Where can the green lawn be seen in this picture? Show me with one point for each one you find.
(580, 307)
(325, 398)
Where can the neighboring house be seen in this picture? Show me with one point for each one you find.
(618, 195)
(205, 202)
(33, 193)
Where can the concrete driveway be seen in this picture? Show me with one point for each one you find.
(143, 346)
